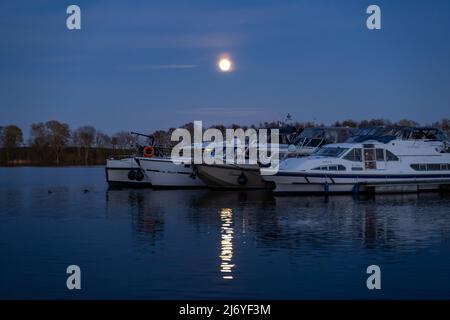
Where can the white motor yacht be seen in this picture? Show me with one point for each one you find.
(248, 175)
(151, 166)
(383, 164)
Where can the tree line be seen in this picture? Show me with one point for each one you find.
(162, 137)
(55, 143)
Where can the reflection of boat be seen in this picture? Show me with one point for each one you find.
(218, 199)
(378, 164)
(249, 176)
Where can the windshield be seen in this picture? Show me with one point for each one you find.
(315, 137)
(334, 152)
(308, 133)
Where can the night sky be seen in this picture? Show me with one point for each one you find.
(146, 65)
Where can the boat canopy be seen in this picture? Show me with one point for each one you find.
(382, 139)
(402, 133)
(317, 136)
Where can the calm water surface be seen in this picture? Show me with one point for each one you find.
(202, 244)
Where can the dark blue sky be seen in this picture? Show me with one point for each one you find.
(144, 65)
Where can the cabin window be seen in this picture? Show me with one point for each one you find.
(315, 143)
(369, 155)
(430, 166)
(354, 155)
(333, 152)
(390, 156)
(380, 154)
(331, 168)
(433, 167)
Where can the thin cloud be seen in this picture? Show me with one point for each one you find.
(226, 112)
(164, 66)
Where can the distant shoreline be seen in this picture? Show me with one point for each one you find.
(69, 157)
(54, 144)
(53, 166)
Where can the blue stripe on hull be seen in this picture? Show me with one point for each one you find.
(365, 176)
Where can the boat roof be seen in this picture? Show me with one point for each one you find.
(400, 132)
(324, 132)
(370, 140)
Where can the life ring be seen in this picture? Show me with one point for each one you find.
(148, 152)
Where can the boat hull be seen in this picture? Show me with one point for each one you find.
(163, 173)
(117, 173)
(315, 183)
(232, 176)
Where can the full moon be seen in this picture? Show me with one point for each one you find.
(225, 65)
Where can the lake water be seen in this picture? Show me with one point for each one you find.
(203, 244)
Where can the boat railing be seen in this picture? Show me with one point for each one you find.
(159, 152)
(120, 156)
(445, 147)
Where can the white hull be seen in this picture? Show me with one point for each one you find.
(335, 184)
(117, 171)
(232, 176)
(383, 166)
(164, 173)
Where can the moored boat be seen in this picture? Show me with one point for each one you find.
(248, 176)
(373, 164)
(163, 172)
(151, 166)
(234, 176)
(125, 172)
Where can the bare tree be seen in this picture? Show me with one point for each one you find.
(189, 127)
(39, 139)
(444, 124)
(114, 142)
(349, 123)
(379, 122)
(86, 134)
(77, 143)
(364, 124)
(407, 123)
(11, 137)
(102, 140)
(220, 127)
(38, 135)
(58, 136)
(374, 123)
(125, 140)
(162, 138)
